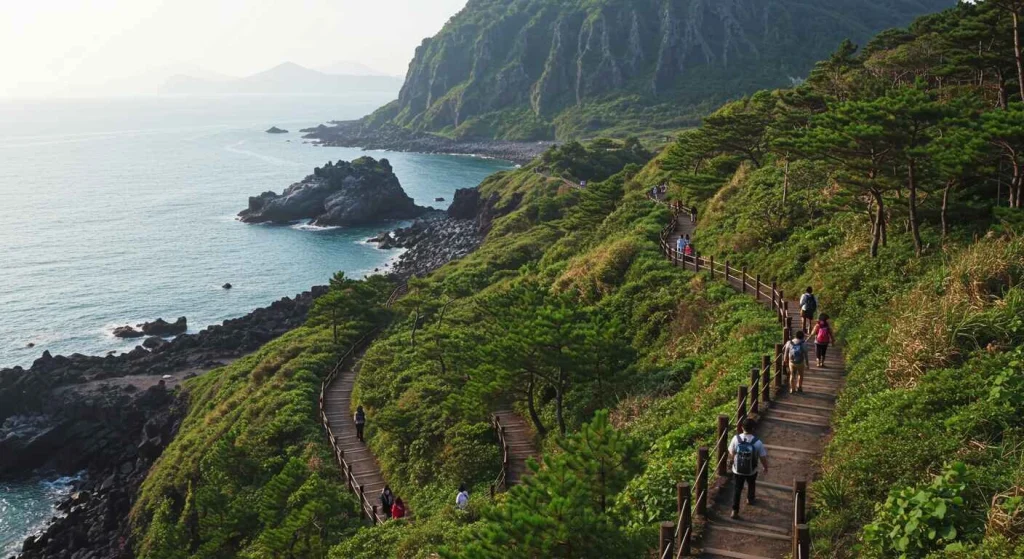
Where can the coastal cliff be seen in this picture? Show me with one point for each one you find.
(543, 69)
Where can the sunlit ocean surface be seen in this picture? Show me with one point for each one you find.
(118, 211)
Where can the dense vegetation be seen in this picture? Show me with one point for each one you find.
(545, 69)
(249, 473)
(891, 181)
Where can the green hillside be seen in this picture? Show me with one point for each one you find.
(546, 69)
(890, 181)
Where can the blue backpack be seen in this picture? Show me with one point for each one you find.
(796, 352)
(746, 456)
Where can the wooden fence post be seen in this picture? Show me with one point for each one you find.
(665, 539)
(800, 496)
(757, 288)
(775, 296)
(778, 366)
(782, 306)
(741, 405)
(711, 268)
(801, 542)
(722, 444)
(684, 508)
(493, 490)
(726, 271)
(766, 380)
(743, 279)
(373, 516)
(702, 482)
(361, 507)
(755, 391)
(789, 320)
(787, 334)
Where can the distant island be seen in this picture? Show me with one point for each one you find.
(276, 130)
(286, 78)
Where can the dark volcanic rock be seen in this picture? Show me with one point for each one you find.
(276, 130)
(161, 327)
(357, 193)
(227, 286)
(465, 204)
(127, 332)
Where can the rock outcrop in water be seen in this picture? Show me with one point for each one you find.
(276, 130)
(361, 192)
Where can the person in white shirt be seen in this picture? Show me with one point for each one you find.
(745, 451)
(462, 499)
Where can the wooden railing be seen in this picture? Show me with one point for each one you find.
(368, 509)
(752, 398)
(501, 482)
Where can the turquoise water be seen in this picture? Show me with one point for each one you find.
(114, 212)
(25, 507)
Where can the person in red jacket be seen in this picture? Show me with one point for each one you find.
(398, 509)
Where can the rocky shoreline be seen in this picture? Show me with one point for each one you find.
(111, 417)
(355, 133)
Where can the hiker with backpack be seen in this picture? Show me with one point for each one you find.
(822, 336)
(360, 419)
(693, 214)
(795, 359)
(680, 245)
(808, 308)
(745, 452)
(462, 499)
(387, 499)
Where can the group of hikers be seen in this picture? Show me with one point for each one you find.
(746, 451)
(391, 506)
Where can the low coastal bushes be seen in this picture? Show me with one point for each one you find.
(250, 473)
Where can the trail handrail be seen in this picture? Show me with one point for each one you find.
(368, 508)
(758, 392)
(501, 482)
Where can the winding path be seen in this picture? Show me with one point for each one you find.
(794, 427)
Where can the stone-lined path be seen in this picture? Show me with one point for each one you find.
(795, 428)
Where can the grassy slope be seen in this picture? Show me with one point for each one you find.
(927, 341)
(250, 473)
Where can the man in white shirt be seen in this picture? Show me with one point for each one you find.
(745, 451)
(462, 499)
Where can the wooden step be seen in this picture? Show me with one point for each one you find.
(785, 449)
(730, 554)
(750, 525)
(775, 411)
(795, 422)
(750, 531)
(805, 406)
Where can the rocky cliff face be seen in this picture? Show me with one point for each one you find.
(361, 192)
(536, 68)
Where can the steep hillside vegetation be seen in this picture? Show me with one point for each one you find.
(890, 183)
(544, 69)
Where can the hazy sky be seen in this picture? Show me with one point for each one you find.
(82, 47)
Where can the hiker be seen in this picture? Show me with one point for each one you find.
(462, 499)
(680, 245)
(822, 336)
(398, 509)
(745, 451)
(387, 498)
(360, 419)
(808, 308)
(796, 359)
(688, 250)
(693, 214)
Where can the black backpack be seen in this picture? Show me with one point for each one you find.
(746, 456)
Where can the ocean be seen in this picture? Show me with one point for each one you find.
(119, 211)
